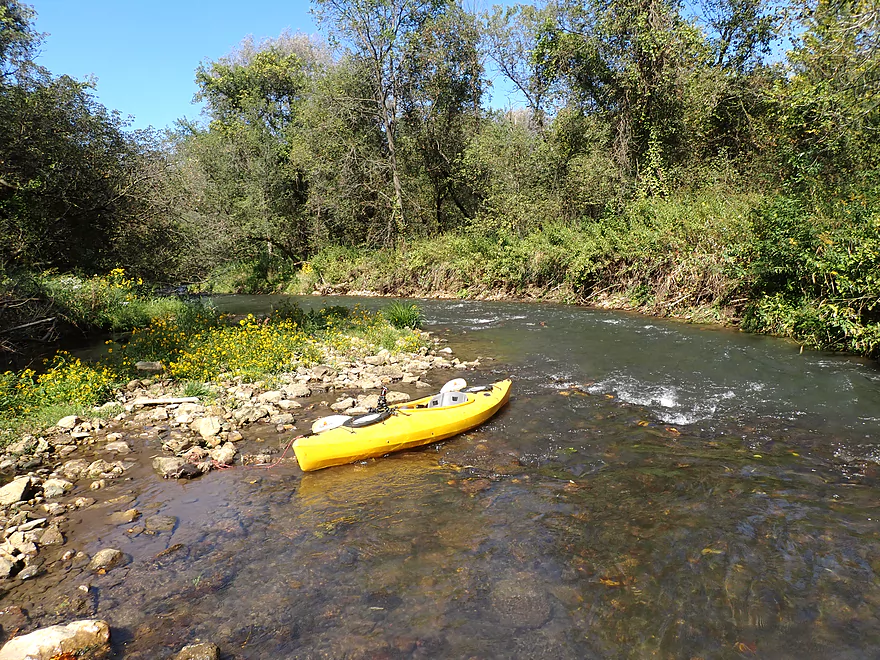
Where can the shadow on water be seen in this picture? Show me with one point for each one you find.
(652, 490)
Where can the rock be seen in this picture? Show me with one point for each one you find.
(391, 371)
(177, 444)
(225, 454)
(17, 542)
(160, 523)
(83, 502)
(286, 404)
(249, 415)
(368, 384)
(31, 571)
(113, 437)
(119, 447)
(102, 468)
(56, 641)
(296, 390)
(446, 350)
(270, 397)
(9, 566)
(208, 427)
(56, 487)
(520, 602)
(149, 367)
(167, 466)
(343, 405)
(74, 469)
(397, 397)
(159, 414)
(189, 408)
(26, 445)
(203, 651)
(12, 619)
(52, 536)
(124, 517)
(234, 436)
(16, 491)
(67, 423)
(420, 384)
(32, 524)
(374, 360)
(106, 559)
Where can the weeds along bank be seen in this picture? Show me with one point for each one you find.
(195, 345)
(771, 264)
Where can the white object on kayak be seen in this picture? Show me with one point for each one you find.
(454, 385)
(330, 422)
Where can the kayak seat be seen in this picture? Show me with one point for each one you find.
(447, 399)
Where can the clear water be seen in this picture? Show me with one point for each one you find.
(653, 490)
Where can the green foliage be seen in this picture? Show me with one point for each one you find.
(197, 348)
(114, 302)
(817, 273)
(401, 315)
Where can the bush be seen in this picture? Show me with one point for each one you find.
(401, 315)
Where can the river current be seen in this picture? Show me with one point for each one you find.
(653, 490)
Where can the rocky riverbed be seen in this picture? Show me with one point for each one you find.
(88, 468)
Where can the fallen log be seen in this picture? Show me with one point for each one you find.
(164, 401)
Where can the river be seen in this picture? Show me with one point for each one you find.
(653, 490)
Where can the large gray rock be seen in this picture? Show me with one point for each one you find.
(52, 536)
(225, 454)
(207, 427)
(106, 559)
(74, 469)
(54, 641)
(149, 367)
(270, 397)
(16, 491)
(341, 406)
(168, 466)
(295, 390)
(56, 487)
(67, 423)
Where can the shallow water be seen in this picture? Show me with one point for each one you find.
(653, 489)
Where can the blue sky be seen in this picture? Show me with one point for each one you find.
(144, 52)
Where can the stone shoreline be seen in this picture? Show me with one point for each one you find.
(196, 435)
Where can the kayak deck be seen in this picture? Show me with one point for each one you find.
(412, 424)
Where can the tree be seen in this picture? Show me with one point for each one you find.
(441, 91)
(628, 60)
(512, 35)
(829, 107)
(244, 167)
(381, 33)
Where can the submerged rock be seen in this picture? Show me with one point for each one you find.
(106, 559)
(203, 651)
(520, 602)
(57, 641)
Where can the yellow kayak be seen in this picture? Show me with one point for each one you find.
(407, 425)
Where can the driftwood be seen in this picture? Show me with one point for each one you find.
(165, 401)
(27, 325)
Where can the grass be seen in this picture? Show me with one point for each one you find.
(401, 315)
(197, 346)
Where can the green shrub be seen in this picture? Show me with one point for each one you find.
(401, 315)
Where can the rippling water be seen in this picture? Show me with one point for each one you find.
(653, 489)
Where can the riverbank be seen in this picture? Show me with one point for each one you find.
(77, 466)
(766, 264)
